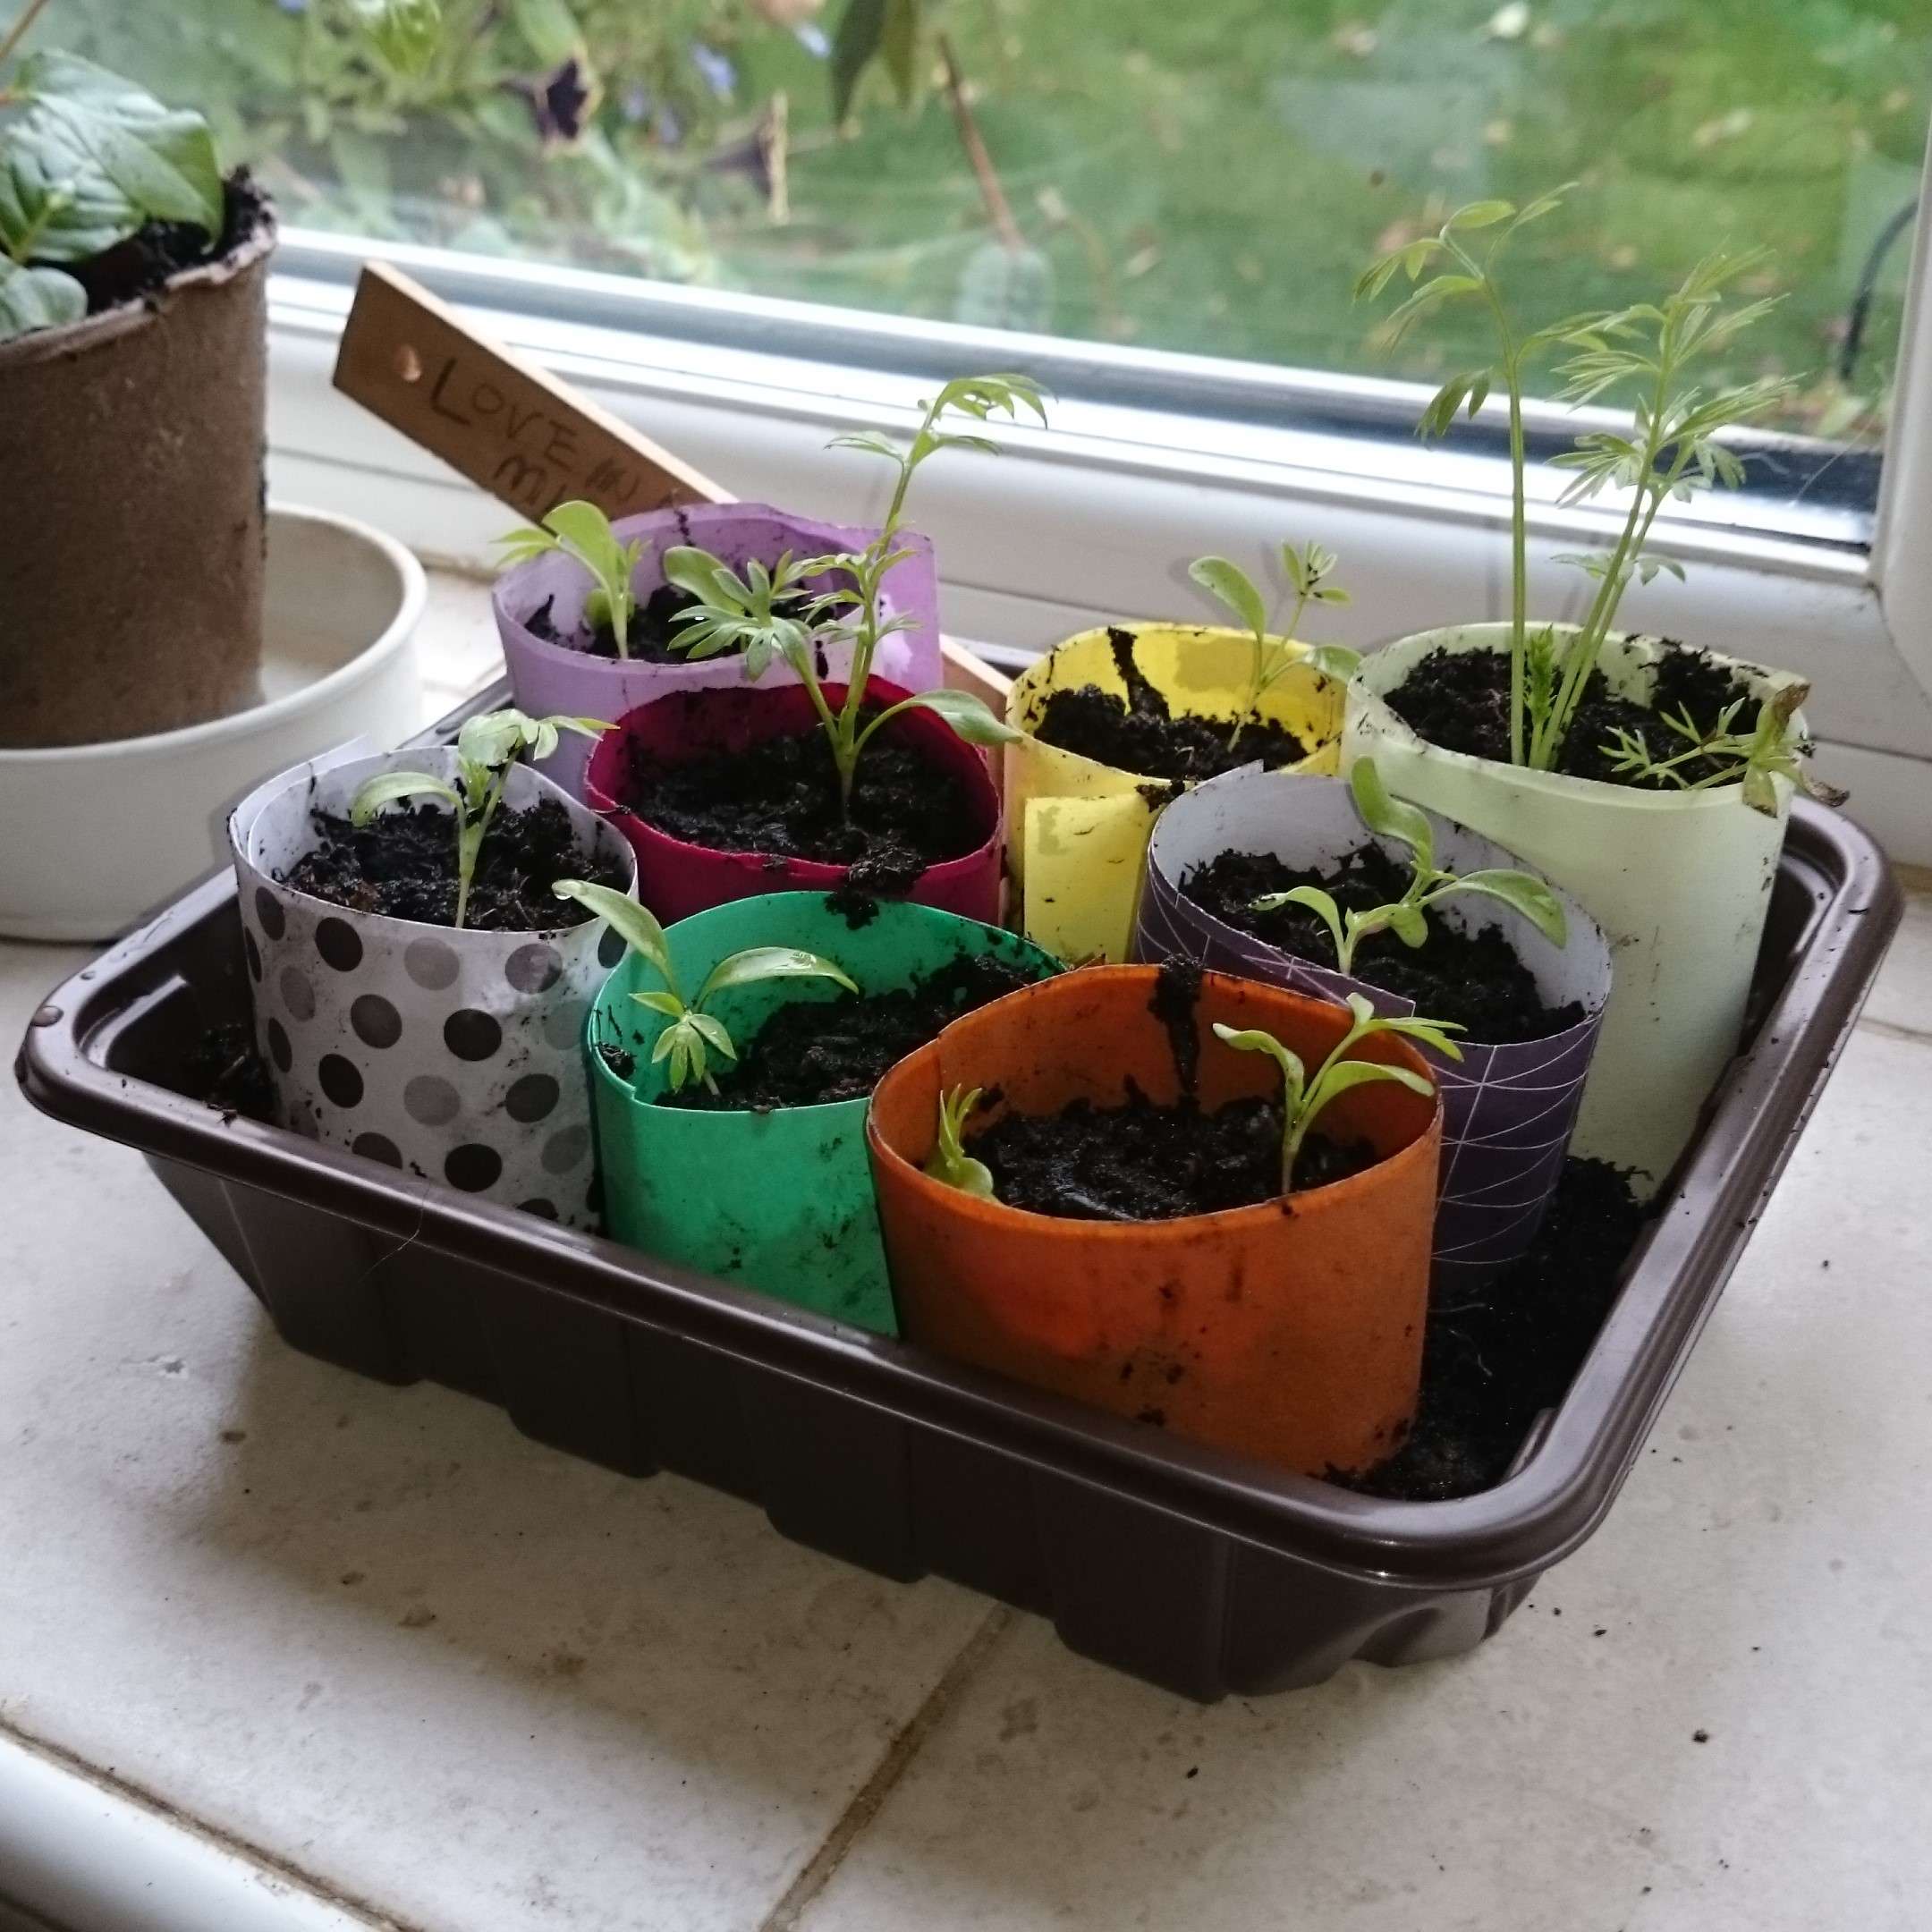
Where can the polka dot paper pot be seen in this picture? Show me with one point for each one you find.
(454, 1055)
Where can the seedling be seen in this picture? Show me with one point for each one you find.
(949, 1161)
(89, 160)
(487, 747)
(1303, 1099)
(694, 1035)
(1773, 749)
(582, 530)
(1671, 452)
(734, 611)
(1307, 570)
(1428, 883)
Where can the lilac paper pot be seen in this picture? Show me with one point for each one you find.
(676, 878)
(1507, 1109)
(454, 1056)
(546, 678)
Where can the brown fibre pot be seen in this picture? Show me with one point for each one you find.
(1289, 1331)
(137, 607)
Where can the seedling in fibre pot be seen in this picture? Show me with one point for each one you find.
(582, 531)
(694, 1035)
(1303, 1099)
(949, 1161)
(1428, 883)
(1724, 755)
(1307, 570)
(87, 161)
(736, 611)
(487, 747)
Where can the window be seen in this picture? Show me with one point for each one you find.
(1205, 178)
(1158, 207)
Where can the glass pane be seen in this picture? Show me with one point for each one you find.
(1208, 176)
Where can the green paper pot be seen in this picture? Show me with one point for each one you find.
(781, 1201)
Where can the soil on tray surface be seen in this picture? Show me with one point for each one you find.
(1498, 1355)
(1140, 734)
(1460, 701)
(1474, 979)
(138, 268)
(225, 1069)
(655, 636)
(812, 1052)
(780, 798)
(403, 865)
(1144, 1161)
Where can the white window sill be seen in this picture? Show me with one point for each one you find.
(1096, 519)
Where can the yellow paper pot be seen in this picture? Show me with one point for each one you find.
(1077, 831)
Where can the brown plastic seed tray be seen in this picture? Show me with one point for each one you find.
(1199, 1572)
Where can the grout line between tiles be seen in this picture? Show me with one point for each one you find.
(1890, 1030)
(229, 1842)
(868, 1801)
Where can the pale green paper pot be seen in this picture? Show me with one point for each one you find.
(780, 1201)
(1680, 882)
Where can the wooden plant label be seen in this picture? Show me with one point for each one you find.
(501, 421)
(519, 433)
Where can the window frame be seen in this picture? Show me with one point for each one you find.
(1152, 458)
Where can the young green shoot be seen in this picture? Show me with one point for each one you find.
(1303, 1099)
(737, 610)
(582, 530)
(1772, 750)
(1672, 452)
(949, 1161)
(1470, 270)
(1307, 570)
(1428, 884)
(487, 747)
(694, 1035)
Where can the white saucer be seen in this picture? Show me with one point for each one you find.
(97, 836)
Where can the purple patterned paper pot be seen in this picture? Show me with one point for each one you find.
(457, 1055)
(557, 672)
(1507, 1109)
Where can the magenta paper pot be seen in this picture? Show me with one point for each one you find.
(676, 878)
(548, 678)
(456, 1056)
(1508, 1108)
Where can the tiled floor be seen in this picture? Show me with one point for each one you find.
(468, 1684)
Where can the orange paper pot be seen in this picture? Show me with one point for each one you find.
(1288, 1331)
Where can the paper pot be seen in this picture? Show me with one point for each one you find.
(1679, 881)
(1077, 830)
(546, 678)
(1291, 1333)
(454, 1055)
(676, 880)
(1507, 1109)
(781, 1200)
